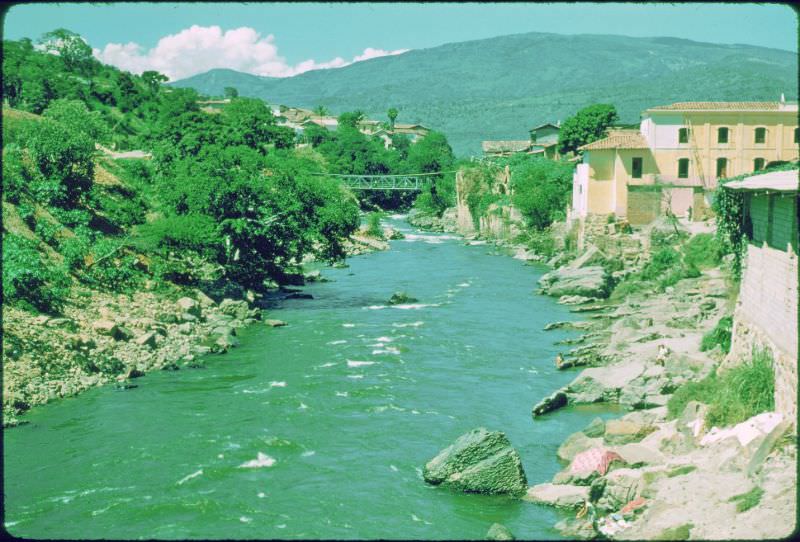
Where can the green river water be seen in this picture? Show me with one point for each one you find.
(349, 400)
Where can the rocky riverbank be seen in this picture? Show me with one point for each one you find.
(105, 338)
(649, 475)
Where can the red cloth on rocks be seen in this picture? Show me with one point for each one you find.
(596, 459)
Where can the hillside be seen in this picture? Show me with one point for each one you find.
(500, 87)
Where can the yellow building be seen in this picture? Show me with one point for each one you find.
(678, 154)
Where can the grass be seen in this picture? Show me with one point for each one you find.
(720, 335)
(746, 501)
(680, 471)
(732, 397)
(702, 251)
(675, 533)
(374, 225)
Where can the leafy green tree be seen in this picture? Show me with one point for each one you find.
(541, 189)
(71, 47)
(75, 114)
(63, 156)
(316, 135)
(231, 92)
(433, 154)
(350, 119)
(321, 111)
(128, 97)
(249, 122)
(153, 80)
(392, 114)
(586, 126)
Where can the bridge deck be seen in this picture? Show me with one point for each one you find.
(412, 182)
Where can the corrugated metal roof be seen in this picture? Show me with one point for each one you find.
(505, 146)
(619, 139)
(779, 181)
(718, 106)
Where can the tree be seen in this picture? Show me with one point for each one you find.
(586, 126)
(250, 122)
(321, 111)
(350, 119)
(74, 114)
(392, 114)
(231, 92)
(153, 80)
(71, 47)
(541, 189)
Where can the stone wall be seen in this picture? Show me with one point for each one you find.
(644, 206)
(766, 317)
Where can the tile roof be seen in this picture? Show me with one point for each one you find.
(718, 106)
(780, 181)
(618, 139)
(505, 146)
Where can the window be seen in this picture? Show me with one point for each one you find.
(722, 135)
(683, 135)
(683, 168)
(722, 168)
(758, 164)
(797, 135)
(636, 167)
(761, 135)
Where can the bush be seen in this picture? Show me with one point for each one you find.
(542, 242)
(111, 268)
(702, 251)
(16, 175)
(662, 261)
(74, 250)
(27, 280)
(48, 231)
(180, 232)
(720, 335)
(732, 397)
(374, 225)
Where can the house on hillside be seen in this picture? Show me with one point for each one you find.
(677, 156)
(544, 140)
(766, 312)
(414, 132)
(505, 148)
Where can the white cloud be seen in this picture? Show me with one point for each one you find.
(199, 49)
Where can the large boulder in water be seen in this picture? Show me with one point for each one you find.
(591, 281)
(480, 461)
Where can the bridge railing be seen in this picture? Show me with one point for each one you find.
(408, 182)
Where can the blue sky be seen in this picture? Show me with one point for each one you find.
(285, 39)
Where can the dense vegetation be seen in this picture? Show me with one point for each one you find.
(499, 88)
(225, 194)
(587, 125)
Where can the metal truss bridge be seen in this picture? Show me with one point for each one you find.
(409, 182)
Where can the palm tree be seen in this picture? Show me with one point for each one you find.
(392, 114)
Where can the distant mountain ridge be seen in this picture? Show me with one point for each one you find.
(498, 88)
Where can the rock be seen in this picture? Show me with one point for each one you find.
(134, 373)
(224, 330)
(58, 322)
(595, 429)
(637, 454)
(40, 320)
(592, 255)
(147, 339)
(203, 299)
(478, 462)
(274, 323)
(592, 281)
(524, 254)
(552, 402)
(603, 383)
(299, 296)
(313, 276)
(82, 342)
(625, 431)
(105, 327)
(575, 299)
(499, 532)
(576, 529)
(563, 496)
(187, 317)
(171, 366)
(622, 486)
(401, 298)
(189, 305)
(226, 341)
(575, 444)
(237, 309)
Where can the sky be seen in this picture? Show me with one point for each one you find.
(281, 40)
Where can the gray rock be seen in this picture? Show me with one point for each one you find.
(592, 281)
(478, 462)
(621, 487)
(625, 431)
(238, 309)
(189, 305)
(147, 339)
(187, 317)
(499, 532)
(274, 323)
(400, 298)
(562, 496)
(552, 402)
(595, 429)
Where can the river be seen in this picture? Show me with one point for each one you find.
(346, 404)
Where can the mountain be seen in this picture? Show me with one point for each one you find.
(498, 88)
